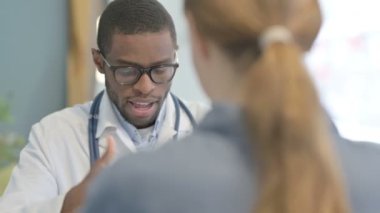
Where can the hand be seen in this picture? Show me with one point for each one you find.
(76, 196)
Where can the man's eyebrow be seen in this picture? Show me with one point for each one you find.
(125, 62)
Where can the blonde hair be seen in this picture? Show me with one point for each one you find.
(298, 172)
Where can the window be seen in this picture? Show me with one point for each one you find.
(345, 62)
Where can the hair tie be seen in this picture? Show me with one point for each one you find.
(275, 33)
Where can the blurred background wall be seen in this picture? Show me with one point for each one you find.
(35, 42)
(33, 47)
(186, 84)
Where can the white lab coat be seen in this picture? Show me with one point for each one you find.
(56, 157)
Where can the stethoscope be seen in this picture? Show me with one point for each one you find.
(94, 116)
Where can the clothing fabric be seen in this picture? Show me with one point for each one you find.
(146, 137)
(150, 137)
(213, 171)
(56, 157)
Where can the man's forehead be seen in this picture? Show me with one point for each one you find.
(162, 38)
(143, 48)
(163, 35)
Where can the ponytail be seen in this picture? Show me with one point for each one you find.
(298, 172)
(297, 168)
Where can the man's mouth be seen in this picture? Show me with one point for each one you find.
(142, 105)
(142, 109)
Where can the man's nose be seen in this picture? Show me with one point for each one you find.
(144, 85)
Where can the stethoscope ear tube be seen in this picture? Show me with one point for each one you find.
(177, 105)
(92, 126)
(188, 113)
(177, 116)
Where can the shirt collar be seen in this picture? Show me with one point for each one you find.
(110, 118)
(133, 132)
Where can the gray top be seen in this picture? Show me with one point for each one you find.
(211, 171)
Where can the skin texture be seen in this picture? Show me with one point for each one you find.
(141, 102)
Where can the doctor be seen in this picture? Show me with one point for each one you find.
(137, 54)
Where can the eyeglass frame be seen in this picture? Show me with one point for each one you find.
(141, 70)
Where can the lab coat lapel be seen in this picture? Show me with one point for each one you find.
(109, 125)
(167, 131)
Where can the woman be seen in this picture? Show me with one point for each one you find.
(266, 146)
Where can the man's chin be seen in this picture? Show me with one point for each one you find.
(143, 123)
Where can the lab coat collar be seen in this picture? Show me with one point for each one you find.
(167, 131)
(108, 124)
(107, 118)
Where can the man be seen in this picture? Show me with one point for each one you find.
(137, 54)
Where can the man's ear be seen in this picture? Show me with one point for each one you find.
(199, 43)
(98, 61)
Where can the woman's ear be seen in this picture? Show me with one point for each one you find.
(98, 61)
(199, 43)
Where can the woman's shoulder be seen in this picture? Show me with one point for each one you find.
(359, 153)
(202, 173)
(360, 164)
(196, 152)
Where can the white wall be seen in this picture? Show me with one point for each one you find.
(345, 63)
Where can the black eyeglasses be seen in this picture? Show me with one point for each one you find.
(128, 75)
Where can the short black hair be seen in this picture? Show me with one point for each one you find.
(133, 17)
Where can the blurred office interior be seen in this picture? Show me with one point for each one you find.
(46, 62)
